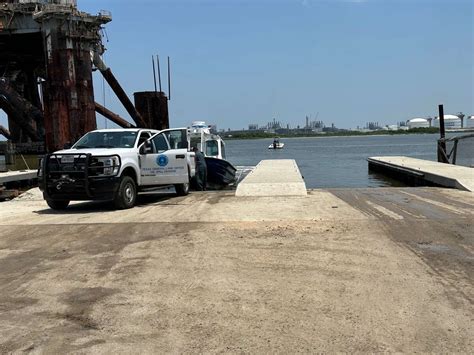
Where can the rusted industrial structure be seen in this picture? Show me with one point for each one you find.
(48, 50)
(153, 107)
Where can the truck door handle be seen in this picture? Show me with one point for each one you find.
(180, 156)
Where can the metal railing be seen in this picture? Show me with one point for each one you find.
(449, 156)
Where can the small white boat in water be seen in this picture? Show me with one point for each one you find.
(276, 144)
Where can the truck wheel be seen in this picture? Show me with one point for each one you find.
(58, 204)
(126, 194)
(182, 189)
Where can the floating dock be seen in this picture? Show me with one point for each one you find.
(280, 177)
(424, 172)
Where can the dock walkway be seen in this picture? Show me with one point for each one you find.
(273, 178)
(446, 175)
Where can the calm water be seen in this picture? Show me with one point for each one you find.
(340, 161)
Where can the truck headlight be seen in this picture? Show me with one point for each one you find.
(111, 165)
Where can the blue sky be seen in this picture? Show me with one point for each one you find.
(237, 62)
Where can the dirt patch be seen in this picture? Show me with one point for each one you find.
(15, 303)
(80, 303)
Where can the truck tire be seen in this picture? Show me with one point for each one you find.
(182, 189)
(58, 204)
(126, 194)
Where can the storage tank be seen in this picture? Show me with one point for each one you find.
(469, 122)
(450, 122)
(418, 123)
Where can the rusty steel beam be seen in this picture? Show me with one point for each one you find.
(20, 110)
(118, 90)
(5, 132)
(122, 96)
(112, 116)
(22, 84)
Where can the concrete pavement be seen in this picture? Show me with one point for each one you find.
(383, 269)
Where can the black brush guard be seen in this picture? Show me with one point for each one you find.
(77, 179)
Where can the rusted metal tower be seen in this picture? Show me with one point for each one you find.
(45, 47)
(47, 52)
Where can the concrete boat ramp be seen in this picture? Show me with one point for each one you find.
(335, 270)
(273, 178)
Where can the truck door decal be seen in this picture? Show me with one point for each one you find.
(162, 160)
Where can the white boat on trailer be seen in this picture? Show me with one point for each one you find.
(220, 172)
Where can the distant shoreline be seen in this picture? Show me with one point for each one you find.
(262, 135)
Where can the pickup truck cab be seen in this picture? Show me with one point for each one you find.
(115, 164)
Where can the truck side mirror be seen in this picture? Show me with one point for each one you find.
(146, 148)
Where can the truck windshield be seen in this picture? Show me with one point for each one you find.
(107, 140)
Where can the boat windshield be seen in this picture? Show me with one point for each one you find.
(212, 148)
(119, 139)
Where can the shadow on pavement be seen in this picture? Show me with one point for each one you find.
(107, 206)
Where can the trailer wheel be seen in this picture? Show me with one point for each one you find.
(126, 194)
(58, 204)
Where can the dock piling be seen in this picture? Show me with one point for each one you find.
(442, 158)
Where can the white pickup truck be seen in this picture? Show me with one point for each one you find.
(115, 164)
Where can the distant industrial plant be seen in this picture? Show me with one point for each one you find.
(315, 126)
